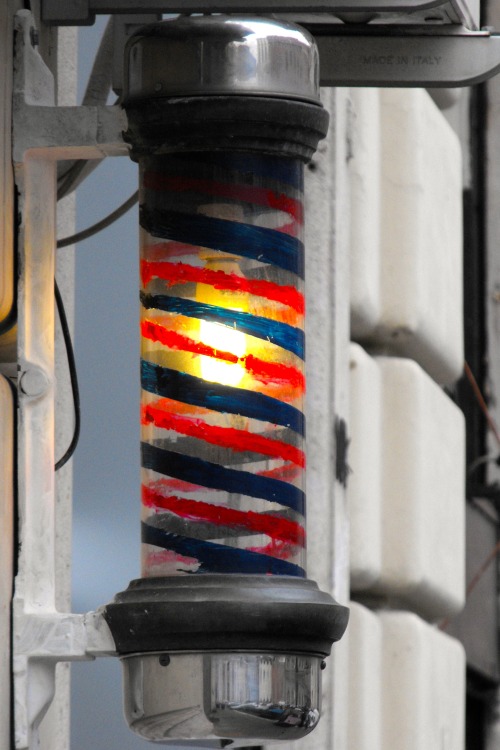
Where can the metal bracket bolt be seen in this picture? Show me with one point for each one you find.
(34, 382)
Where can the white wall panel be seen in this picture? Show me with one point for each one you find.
(418, 248)
(415, 515)
(406, 683)
(423, 686)
(423, 509)
(364, 169)
(365, 455)
(327, 333)
(365, 683)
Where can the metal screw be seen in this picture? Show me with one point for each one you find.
(323, 665)
(34, 382)
(164, 660)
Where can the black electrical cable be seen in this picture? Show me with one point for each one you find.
(97, 91)
(64, 242)
(73, 377)
(100, 225)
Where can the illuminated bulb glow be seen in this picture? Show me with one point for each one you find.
(227, 340)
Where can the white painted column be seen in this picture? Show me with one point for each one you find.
(327, 336)
(406, 491)
(55, 727)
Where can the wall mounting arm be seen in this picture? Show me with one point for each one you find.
(447, 11)
(406, 56)
(42, 134)
(406, 53)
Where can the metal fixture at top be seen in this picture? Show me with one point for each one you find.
(208, 57)
(404, 43)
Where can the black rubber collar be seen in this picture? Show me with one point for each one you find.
(281, 127)
(225, 612)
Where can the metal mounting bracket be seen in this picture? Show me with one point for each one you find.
(43, 133)
(406, 56)
(421, 43)
(443, 11)
(40, 642)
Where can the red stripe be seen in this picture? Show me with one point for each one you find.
(220, 515)
(267, 372)
(290, 228)
(275, 372)
(287, 473)
(181, 273)
(174, 340)
(225, 437)
(247, 193)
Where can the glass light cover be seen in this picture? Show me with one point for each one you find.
(222, 342)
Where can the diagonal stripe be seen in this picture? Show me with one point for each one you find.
(258, 243)
(218, 558)
(280, 334)
(246, 166)
(220, 515)
(267, 372)
(173, 340)
(222, 398)
(276, 372)
(178, 273)
(214, 476)
(287, 473)
(225, 437)
(258, 196)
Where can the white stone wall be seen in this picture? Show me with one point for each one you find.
(406, 491)
(395, 680)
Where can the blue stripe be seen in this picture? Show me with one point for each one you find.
(249, 166)
(258, 243)
(289, 171)
(189, 389)
(218, 558)
(217, 477)
(289, 338)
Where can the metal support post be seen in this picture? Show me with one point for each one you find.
(43, 133)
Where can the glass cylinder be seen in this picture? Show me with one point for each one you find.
(222, 364)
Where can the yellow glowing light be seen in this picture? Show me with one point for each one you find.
(224, 339)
